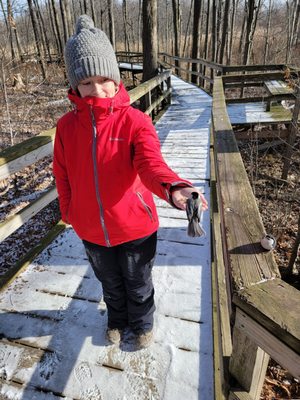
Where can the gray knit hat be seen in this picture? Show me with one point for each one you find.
(89, 53)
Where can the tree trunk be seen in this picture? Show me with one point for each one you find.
(111, 23)
(53, 27)
(196, 36)
(176, 26)
(10, 24)
(232, 30)
(150, 45)
(4, 14)
(94, 16)
(213, 31)
(205, 54)
(267, 45)
(124, 9)
(85, 7)
(296, 25)
(42, 28)
(56, 24)
(243, 32)
(69, 21)
(140, 25)
(187, 29)
(167, 26)
(63, 19)
(252, 16)
(37, 39)
(224, 35)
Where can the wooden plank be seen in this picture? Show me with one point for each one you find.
(255, 113)
(275, 87)
(14, 222)
(279, 351)
(239, 395)
(258, 67)
(222, 275)
(253, 77)
(276, 306)
(250, 264)
(221, 121)
(220, 385)
(220, 296)
(17, 157)
(248, 363)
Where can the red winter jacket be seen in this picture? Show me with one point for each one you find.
(107, 161)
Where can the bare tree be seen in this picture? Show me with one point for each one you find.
(37, 38)
(186, 36)
(124, 9)
(140, 23)
(42, 30)
(111, 22)
(56, 24)
(213, 31)
(250, 7)
(224, 35)
(64, 19)
(150, 45)
(232, 30)
(93, 12)
(69, 21)
(177, 26)
(267, 32)
(196, 36)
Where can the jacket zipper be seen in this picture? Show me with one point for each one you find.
(94, 152)
(145, 205)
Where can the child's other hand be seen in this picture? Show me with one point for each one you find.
(181, 195)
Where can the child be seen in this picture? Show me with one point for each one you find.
(107, 161)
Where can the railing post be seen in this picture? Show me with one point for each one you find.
(169, 87)
(248, 363)
(293, 131)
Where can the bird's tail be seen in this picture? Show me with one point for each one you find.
(195, 229)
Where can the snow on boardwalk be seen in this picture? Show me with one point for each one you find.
(53, 321)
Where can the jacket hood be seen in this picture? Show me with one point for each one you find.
(102, 106)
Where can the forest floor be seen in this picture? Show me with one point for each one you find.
(28, 110)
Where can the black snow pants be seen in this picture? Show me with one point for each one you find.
(125, 273)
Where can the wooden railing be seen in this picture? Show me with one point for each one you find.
(129, 56)
(256, 314)
(203, 72)
(198, 71)
(156, 94)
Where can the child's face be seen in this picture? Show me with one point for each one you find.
(97, 86)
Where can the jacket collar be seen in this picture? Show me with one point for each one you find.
(101, 107)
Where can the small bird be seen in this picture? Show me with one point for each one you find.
(194, 212)
(268, 242)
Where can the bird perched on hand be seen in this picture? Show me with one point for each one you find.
(194, 212)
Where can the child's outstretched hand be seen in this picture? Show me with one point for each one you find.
(181, 195)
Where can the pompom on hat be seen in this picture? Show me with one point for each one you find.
(89, 53)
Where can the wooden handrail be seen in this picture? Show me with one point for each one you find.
(17, 157)
(264, 308)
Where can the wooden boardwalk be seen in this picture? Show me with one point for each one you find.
(53, 319)
(255, 113)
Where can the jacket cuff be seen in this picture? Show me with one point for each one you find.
(171, 187)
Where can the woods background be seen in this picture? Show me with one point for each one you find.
(225, 31)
